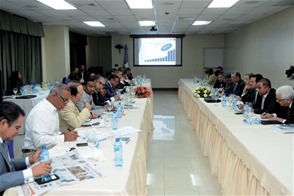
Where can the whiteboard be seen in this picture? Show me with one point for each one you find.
(213, 57)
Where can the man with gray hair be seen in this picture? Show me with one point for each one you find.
(284, 96)
(42, 123)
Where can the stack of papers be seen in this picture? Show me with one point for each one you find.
(284, 128)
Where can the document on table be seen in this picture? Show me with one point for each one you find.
(69, 167)
(289, 128)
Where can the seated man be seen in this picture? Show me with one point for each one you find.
(284, 96)
(89, 89)
(14, 172)
(98, 97)
(237, 85)
(110, 85)
(42, 123)
(251, 94)
(70, 117)
(266, 99)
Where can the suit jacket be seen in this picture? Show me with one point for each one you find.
(8, 177)
(73, 76)
(99, 99)
(110, 90)
(71, 117)
(282, 112)
(270, 103)
(239, 88)
(249, 96)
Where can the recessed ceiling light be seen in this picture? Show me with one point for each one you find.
(201, 22)
(94, 23)
(140, 4)
(222, 3)
(147, 23)
(58, 4)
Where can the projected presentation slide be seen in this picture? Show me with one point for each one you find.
(159, 51)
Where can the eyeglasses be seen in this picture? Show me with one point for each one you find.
(278, 100)
(65, 101)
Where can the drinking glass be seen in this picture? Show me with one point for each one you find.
(107, 119)
(92, 140)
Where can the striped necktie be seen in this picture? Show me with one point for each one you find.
(288, 113)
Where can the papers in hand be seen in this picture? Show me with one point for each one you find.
(284, 128)
(126, 130)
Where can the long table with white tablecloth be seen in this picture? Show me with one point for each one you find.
(127, 180)
(248, 159)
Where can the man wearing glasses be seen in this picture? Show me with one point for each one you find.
(42, 123)
(284, 96)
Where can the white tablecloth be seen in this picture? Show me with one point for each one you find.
(248, 159)
(131, 178)
(28, 104)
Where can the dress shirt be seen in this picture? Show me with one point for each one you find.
(262, 101)
(42, 127)
(86, 98)
(70, 117)
(27, 173)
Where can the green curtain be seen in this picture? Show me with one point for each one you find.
(20, 52)
(20, 48)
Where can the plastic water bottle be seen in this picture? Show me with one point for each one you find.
(119, 110)
(114, 120)
(44, 156)
(118, 155)
(224, 100)
(234, 103)
(246, 108)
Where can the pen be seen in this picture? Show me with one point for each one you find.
(128, 140)
(68, 129)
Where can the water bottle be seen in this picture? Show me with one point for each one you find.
(234, 103)
(118, 156)
(114, 120)
(44, 156)
(224, 100)
(119, 110)
(246, 108)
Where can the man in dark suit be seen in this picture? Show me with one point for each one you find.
(284, 96)
(236, 85)
(110, 85)
(251, 95)
(266, 99)
(14, 172)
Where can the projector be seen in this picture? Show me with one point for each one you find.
(153, 29)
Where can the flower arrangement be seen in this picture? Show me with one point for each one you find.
(202, 91)
(142, 92)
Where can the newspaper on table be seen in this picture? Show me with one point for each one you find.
(69, 167)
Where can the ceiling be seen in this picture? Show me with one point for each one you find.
(171, 16)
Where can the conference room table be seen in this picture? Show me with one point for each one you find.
(127, 180)
(247, 159)
(27, 104)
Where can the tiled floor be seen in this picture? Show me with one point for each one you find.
(176, 165)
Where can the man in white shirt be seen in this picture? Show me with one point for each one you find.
(42, 123)
(14, 172)
(285, 114)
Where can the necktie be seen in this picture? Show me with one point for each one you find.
(235, 88)
(7, 156)
(288, 113)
